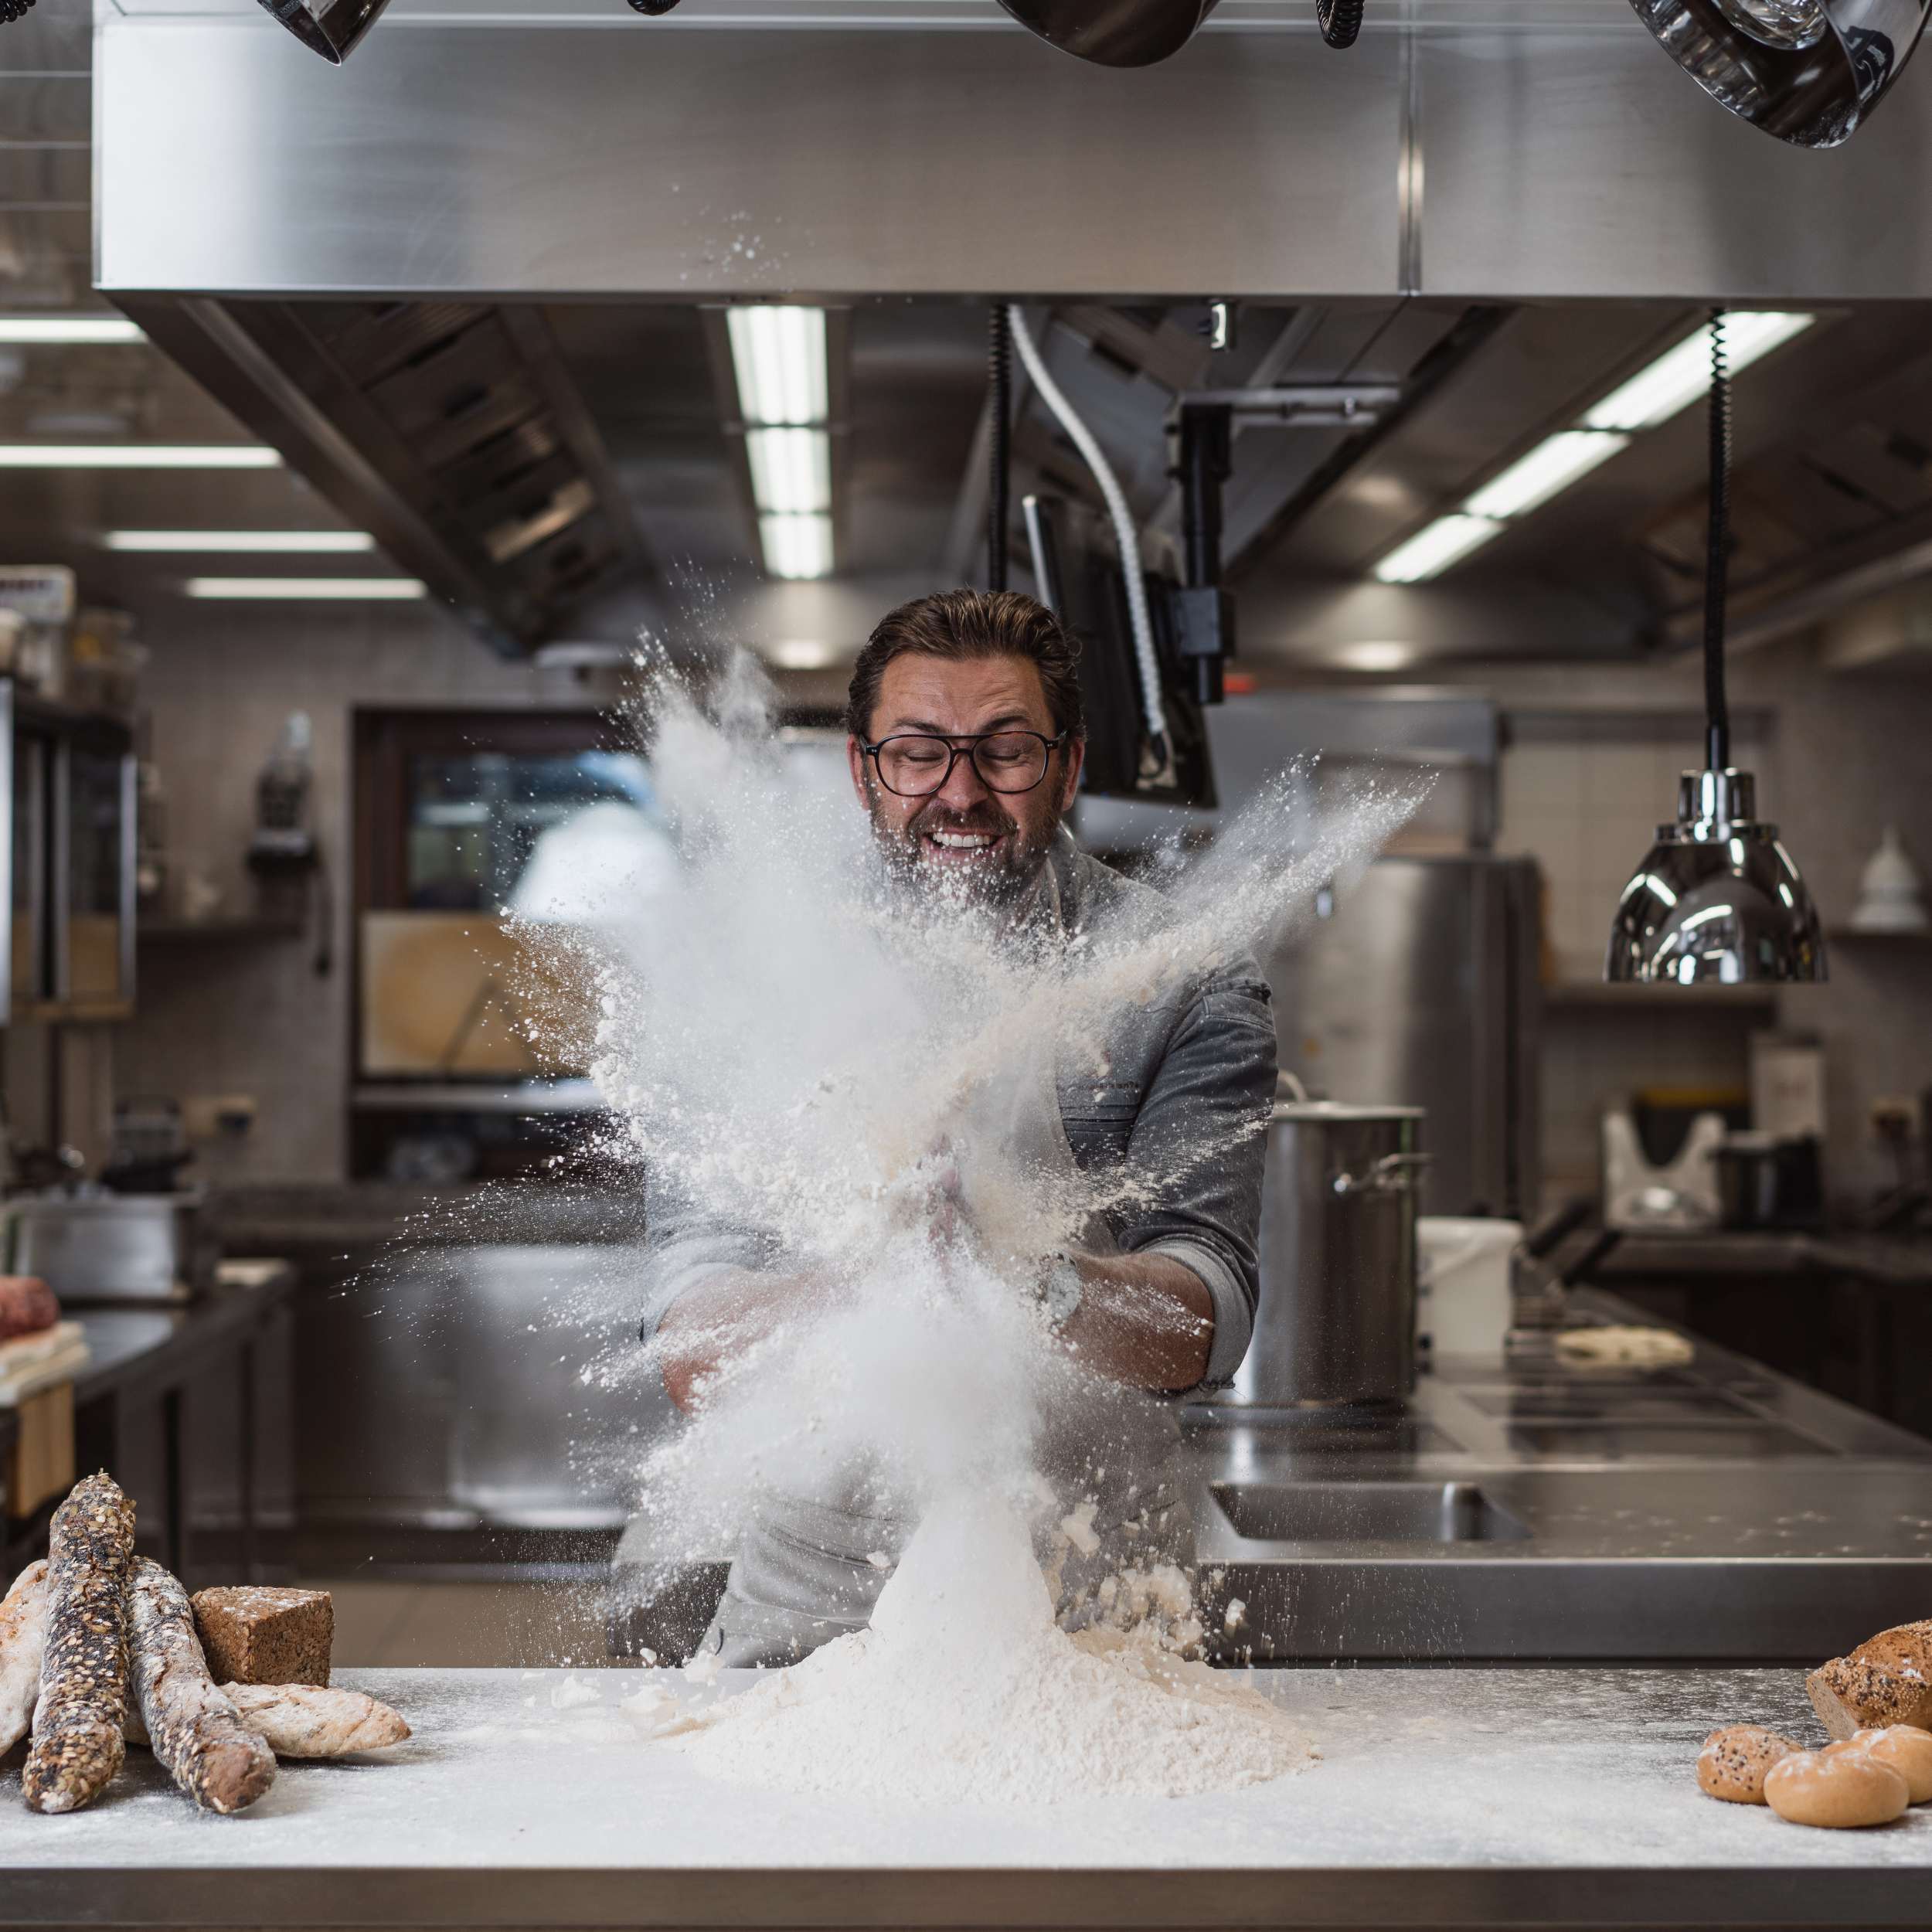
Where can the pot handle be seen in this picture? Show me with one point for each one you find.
(1390, 1175)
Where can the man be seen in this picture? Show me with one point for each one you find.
(964, 739)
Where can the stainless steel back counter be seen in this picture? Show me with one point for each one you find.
(1532, 1508)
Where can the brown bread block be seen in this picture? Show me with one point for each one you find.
(1886, 1681)
(259, 1633)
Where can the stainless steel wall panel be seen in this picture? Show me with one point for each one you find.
(1582, 163)
(578, 160)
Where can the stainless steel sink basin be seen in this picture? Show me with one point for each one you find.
(1379, 1512)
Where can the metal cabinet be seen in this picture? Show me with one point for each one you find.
(68, 789)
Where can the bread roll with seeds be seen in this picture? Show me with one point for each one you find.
(193, 1729)
(23, 1637)
(1734, 1761)
(1908, 1750)
(1842, 1787)
(83, 1705)
(312, 1720)
(1887, 1680)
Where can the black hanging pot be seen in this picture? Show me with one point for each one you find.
(1114, 33)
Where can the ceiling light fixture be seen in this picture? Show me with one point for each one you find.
(68, 328)
(796, 547)
(1555, 463)
(1680, 375)
(801, 654)
(779, 353)
(138, 456)
(1654, 395)
(306, 589)
(330, 27)
(1436, 546)
(1717, 899)
(1807, 71)
(263, 542)
(784, 390)
(790, 470)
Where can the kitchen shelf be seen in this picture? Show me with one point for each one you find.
(1598, 994)
(214, 932)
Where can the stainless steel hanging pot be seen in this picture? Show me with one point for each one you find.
(1337, 1319)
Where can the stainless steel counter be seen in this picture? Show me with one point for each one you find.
(1526, 1508)
(1440, 1798)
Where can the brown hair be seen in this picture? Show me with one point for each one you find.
(960, 625)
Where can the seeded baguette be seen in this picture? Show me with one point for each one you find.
(23, 1639)
(83, 1705)
(312, 1720)
(193, 1729)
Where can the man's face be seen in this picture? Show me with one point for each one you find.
(989, 843)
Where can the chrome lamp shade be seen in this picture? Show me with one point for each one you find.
(1717, 900)
(330, 27)
(1807, 71)
(1114, 33)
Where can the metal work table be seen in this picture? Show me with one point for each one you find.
(1556, 1797)
(1526, 1508)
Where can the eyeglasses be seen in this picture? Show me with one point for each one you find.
(913, 765)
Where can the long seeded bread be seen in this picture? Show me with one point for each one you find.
(1887, 1680)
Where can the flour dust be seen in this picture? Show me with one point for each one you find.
(847, 1081)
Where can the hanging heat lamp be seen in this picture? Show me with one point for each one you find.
(1807, 71)
(1113, 33)
(1717, 900)
(330, 27)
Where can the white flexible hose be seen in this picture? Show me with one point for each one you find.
(1125, 534)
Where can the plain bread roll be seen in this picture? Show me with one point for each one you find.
(1841, 1787)
(1908, 1750)
(1734, 1761)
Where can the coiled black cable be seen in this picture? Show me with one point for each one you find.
(1340, 20)
(1717, 717)
(999, 361)
(14, 10)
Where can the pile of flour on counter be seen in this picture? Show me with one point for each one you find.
(964, 1691)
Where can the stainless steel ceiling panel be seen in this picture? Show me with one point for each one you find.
(567, 160)
(1582, 164)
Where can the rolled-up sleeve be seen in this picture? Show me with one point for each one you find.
(685, 1247)
(1201, 1137)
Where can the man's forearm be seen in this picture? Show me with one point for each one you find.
(1145, 1320)
(723, 1316)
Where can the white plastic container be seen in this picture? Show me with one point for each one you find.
(1463, 1283)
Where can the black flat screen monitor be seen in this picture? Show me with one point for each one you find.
(1077, 573)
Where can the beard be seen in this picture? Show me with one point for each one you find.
(981, 857)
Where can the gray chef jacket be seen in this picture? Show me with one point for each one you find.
(1191, 1070)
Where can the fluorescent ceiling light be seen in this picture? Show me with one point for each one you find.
(1553, 465)
(138, 456)
(306, 589)
(790, 470)
(276, 542)
(1681, 375)
(779, 353)
(801, 653)
(796, 547)
(68, 328)
(1435, 547)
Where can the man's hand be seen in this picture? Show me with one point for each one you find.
(1145, 1320)
(707, 1325)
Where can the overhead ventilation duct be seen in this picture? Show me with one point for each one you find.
(1807, 71)
(330, 27)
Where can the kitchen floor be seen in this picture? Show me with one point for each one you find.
(380, 1623)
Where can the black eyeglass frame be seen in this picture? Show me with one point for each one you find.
(967, 748)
